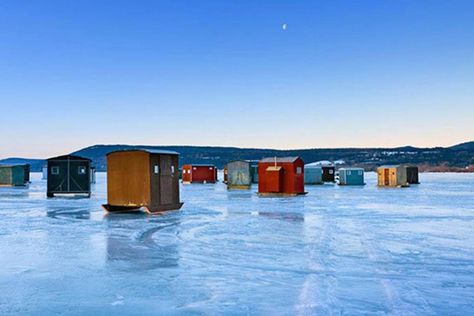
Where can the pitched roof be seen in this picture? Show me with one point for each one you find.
(280, 159)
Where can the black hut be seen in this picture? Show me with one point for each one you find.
(69, 175)
(412, 174)
(328, 173)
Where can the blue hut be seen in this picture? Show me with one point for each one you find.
(313, 174)
(351, 176)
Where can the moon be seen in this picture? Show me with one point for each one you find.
(284, 26)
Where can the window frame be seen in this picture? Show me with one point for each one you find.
(79, 170)
(55, 170)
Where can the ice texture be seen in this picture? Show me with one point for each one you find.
(338, 250)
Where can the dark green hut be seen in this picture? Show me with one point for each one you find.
(14, 175)
(254, 171)
(69, 175)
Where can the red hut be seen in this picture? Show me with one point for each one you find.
(281, 176)
(199, 174)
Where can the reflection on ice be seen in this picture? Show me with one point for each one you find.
(71, 213)
(285, 216)
(139, 241)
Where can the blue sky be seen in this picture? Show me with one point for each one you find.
(343, 73)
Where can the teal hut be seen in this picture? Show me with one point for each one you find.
(14, 175)
(351, 176)
(313, 174)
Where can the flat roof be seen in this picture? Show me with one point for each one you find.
(199, 165)
(351, 168)
(280, 159)
(149, 151)
(313, 166)
(390, 166)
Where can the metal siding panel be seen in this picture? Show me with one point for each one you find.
(238, 174)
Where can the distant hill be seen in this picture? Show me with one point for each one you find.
(456, 158)
(464, 146)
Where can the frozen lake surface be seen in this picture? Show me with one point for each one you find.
(338, 250)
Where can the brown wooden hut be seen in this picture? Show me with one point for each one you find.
(142, 179)
(392, 176)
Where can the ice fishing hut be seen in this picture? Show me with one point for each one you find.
(69, 175)
(44, 171)
(199, 173)
(329, 173)
(254, 172)
(14, 175)
(225, 174)
(412, 174)
(142, 178)
(93, 171)
(392, 176)
(281, 176)
(313, 174)
(238, 175)
(351, 176)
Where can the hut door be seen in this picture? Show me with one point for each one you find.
(78, 176)
(166, 180)
(386, 176)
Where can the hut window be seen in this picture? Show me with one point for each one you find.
(172, 169)
(360, 172)
(331, 171)
(194, 168)
(81, 170)
(210, 168)
(298, 170)
(54, 170)
(348, 172)
(156, 169)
